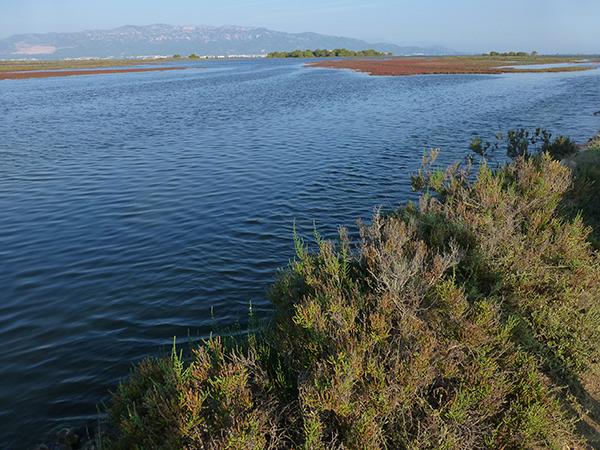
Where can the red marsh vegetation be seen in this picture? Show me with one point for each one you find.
(450, 65)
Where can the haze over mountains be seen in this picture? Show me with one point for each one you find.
(161, 39)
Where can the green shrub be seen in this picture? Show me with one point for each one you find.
(524, 143)
(561, 148)
(221, 399)
(451, 324)
(583, 197)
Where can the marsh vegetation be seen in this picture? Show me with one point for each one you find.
(489, 64)
(467, 320)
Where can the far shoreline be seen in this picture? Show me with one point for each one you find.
(28, 74)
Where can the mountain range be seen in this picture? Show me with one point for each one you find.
(162, 39)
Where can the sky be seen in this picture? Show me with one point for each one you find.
(549, 26)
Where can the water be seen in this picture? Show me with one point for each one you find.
(586, 64)
(132, 204)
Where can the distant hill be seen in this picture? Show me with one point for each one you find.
(161, 39)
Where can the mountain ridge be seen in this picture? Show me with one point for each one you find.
(165, 39)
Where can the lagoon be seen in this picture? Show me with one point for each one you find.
(138, 207)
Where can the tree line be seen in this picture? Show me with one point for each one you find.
(323, 53)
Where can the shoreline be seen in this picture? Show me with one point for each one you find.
(451, 66)
(28, 74)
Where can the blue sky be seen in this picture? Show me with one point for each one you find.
(468, 25)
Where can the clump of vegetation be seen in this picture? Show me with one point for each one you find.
(583, 197)
(525, 143)
(321, 53)
(561, 148)
(222, 399)
(453, 323)
(193, 56)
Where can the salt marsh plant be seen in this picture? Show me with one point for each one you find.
(463, 321)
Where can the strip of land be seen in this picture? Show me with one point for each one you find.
(24, 74)
(455, 65)
(61, 64)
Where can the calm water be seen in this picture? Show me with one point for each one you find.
(130, 205)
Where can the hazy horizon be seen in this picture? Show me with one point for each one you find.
(549, 26)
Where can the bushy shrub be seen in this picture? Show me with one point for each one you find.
(583, 197)
(221, 399)
(561, 148)
(524, 143)
(540, 263)
(450, 324)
